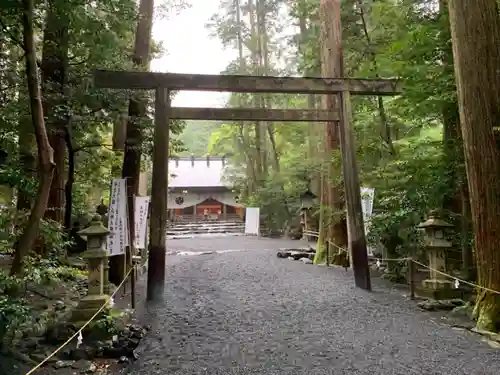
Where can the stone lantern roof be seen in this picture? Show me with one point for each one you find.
(95, 228)
(434, 222)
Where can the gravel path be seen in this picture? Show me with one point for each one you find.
(248, 312)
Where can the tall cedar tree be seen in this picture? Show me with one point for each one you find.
(475, 28)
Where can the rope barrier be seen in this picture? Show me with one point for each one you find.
(79, 332)
(458, 279)
(393, 259)
(316, 234)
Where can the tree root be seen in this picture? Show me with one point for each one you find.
(17, 355)
(486, 312)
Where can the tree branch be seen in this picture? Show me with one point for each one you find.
(386, 128)
(5, 28)
(92, 145)
(20, 44)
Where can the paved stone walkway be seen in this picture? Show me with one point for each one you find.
(249, 312)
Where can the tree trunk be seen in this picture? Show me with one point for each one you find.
(475, 28)
(254, 44)
(243, 128)
(315, 132)
(457, 201)
(262, 56)
(333, 223)
(315, 149)
(27, 158)
(131, 168)
(68, 187)
(45, 152)
(54, 69)
(266, 100)
(311, 102)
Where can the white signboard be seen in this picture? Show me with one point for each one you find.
(141, 205)
(118, 237)
(127, 224)
(252, 221)
(367, 196)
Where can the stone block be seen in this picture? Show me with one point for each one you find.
(437, 284)
(88, 306)
(439, 294)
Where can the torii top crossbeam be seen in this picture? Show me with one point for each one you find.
(244, 83)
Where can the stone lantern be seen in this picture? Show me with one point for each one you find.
(97, 265)
(307, 202)
(437, 286)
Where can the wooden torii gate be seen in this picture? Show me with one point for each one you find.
(164, 83)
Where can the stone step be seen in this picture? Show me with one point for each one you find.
(173, 231)
(205, 230)
(184, 236)
(205, 223)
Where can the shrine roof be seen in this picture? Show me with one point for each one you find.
(186, 172)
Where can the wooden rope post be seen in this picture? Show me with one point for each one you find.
(411, 277)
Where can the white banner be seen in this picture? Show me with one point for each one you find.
(127, 223)
(252, 221)
(141, 206)
(124, 212)
(367, 197)
(118, 237)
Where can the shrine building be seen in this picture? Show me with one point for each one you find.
(197, 190)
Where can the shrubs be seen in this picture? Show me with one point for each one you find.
(42, 266)
(13, 309)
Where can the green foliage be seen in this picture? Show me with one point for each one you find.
(108, 324)
(407, 188)
(17, 314)
(99, 35)
(41, 267)
(52, 237)
(195, 137)
(12, 176)
(13, 312)
(410, 171)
